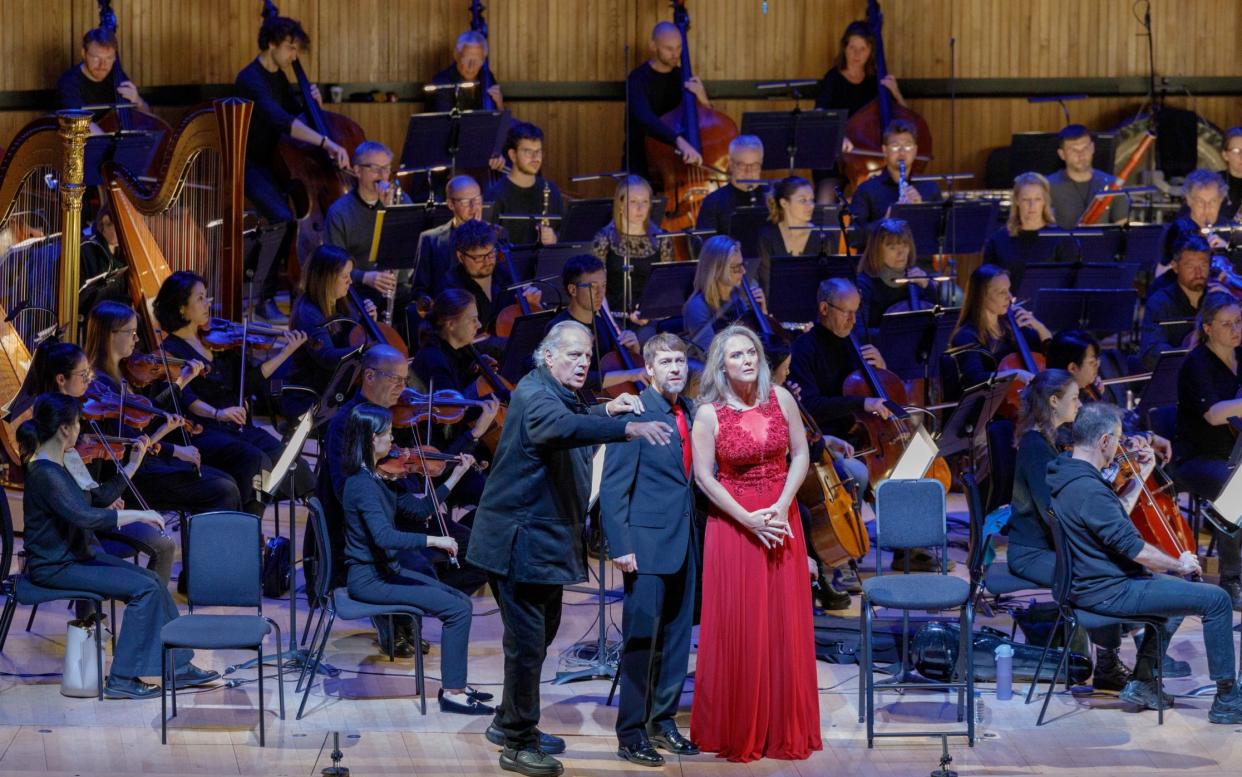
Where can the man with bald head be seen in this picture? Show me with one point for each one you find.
(655, 88)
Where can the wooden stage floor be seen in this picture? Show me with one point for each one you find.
(372, 706)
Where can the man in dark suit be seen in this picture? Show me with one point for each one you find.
(528, 526)
(647, 504)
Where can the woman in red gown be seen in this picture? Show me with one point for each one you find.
(755, 692)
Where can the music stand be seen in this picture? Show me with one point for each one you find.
(130, 150)
(526, 335)
(1161, 390)
(906, 339)
(1046, 275)
(744, 226)
(1144, 244)
(969, 420)
(1095, 310)
(271, 483)
(465, 139)
(583, 218)
(914, 462)
(394, 243)
(925, 220)
(668, 287)
(1037, 152)
(967, 226)
(1098, 244)
(797, 139)
(550, 260)
(946, 322)
(794, 282)
(1106, 275)
(260, 246)
(522, 262)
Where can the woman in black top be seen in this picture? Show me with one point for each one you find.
(630, 240)
(791, 205)
(373, 545)
(1018, 243)
(61, 551)
(1207, 390)
(229, 440)
(328, 277)
(890, 255)
(983, 332)
(718, 299)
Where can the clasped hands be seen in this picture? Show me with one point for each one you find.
(769, 524)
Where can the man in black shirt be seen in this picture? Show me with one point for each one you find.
(98, 79)
(524, 191)
(1206, 205)
(653, 89)
(469, 61)
(1110, 563)
(276, 108)
(745, 164)
(585, 285)
(1175, 301)
(477, 272)
(879, 193)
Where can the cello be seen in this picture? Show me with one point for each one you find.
(708, 130)
(865, 129)
(1022, 359)
(837, 530)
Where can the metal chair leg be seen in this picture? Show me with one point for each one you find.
(316, 656)
(34, 608)
(163, 695)
(1039, 668)
(867, 622)
(1052, 686)
(280, 668)
(970, 676)
(112, 631)
(262, 712)
(314, 639)
(863, 664)
(99, 664)
(6, 619)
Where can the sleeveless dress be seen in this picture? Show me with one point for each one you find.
(755, 691)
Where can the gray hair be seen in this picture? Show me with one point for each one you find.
(714, 386)
(554, 340)
(369, 147)
(1094, 421)
(470, 38)
(745, 143)
(1202, 179)
(833, 289)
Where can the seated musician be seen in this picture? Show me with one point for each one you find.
(276, 112)
(59, 521)
(372, 552)
(890, 255)
(477, 272)
(1113, 566)
(655, 88)
(745, 164)
(327, 278)
(791, 205)
(469, 59)
(1018, 243)
(877, 194)
(1231, 152)
(628, 246)
(718, 299)
(1048, 402)
(98, 79)
(435, 245)
(1074, 187)
(1168, 314)
(229, 440)
(351, 225)
(1207, 387)
(523, 189)
(1205, 192)
(983, 337)
(102, 265)
(585, 283)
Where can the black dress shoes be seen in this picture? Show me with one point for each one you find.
(191, 676)
(471, 706)
(480, 695)
(532, 763)
(672, 741)
(553, 745)
(640, 754)
(129, 688)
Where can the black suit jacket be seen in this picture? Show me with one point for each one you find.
(646, 498)
(434, 259)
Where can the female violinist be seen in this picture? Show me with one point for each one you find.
(585, 285)
(718, 299)
(629, 241)
(1049, 401)
(1018, 243)
(102, 257)
(1208, 384)
(890, 255)
(791, 205)
(983, 332)
(229, 439)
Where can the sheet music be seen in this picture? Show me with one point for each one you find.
(917, 458)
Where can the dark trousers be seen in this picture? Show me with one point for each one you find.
(243, 453)
(181, 488)
(1172, 597)
(531, 613)
(451, 607)
(1038, 565)
(148, 607)
(272, 203)
(655, 623)
(1205, 476)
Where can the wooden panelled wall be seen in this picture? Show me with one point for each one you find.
(384, 41)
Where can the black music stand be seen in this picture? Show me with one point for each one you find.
(583, 218)
(967, 225)
(906, 339)
(130, 150)
(946, 322)
(550, 260)
(926, 220)
(460, 140)
(525, 337)
(1095, 310)
(797, 139)
(534, 218)
(668, 287)
(1145, 244)
(394, 244)
(1098, 244)
(1161, 390)
(966, 427)
(1106, 275)
(1046, 275)
(260, 247)
(522, 262)
(744, 226)
(794, 282)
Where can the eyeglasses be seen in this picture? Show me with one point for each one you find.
(478, 257)
(530, 153)
(391, 377)
(127, 332)
(85, 374)
(843, 311)
(476, 200)
(1233, 151)
(377, 168)
(895, 148)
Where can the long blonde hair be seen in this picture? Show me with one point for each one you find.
(713, 267)
(622, 195)
(714, 386)
(1014, 225)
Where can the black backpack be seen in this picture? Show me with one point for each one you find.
(277, 567)
(838, 640)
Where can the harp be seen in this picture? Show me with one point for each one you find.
(189, 215)
(40, 228)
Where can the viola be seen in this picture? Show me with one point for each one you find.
(430, 461)
(837, 530)
(143, 369)
(222, 335)
(443, 406)
(101, 403)
(1021, 359)
(96, 446)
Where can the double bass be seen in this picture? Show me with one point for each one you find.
(708, 130)
(865, 129)
(124, 118)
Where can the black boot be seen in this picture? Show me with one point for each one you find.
(1110, 674)
(828, 597)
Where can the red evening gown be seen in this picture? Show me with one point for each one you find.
(755, 689)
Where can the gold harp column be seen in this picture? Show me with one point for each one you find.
(233, 123)
(74, 128)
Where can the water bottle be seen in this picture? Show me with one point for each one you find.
(1004, 672)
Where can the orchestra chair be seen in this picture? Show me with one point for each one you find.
(19, 589)
(1072, 616)
(911, 514)
(336, 602)
(216, 579)
(994, 578)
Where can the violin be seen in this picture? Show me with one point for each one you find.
(443, 406)
(1021, 359)
(222, 335)
(407, 461)
(837, 530)
(100, 403)
(97, 446)
(143, 369)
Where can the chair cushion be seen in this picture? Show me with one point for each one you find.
(215, 632)
(927, 591)
(33, 593)
(351, 609)
(999, 580)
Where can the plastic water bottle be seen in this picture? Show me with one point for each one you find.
(1004, 672)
